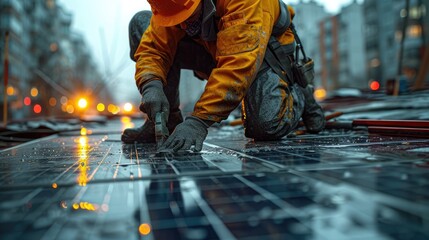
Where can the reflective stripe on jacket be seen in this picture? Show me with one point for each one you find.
(244, 28)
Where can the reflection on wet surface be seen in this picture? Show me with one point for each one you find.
(327, 186)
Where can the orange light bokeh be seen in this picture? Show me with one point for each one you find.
(34, 92)
(52, 102)
(10, 91)
(144, 229)
(320, 94)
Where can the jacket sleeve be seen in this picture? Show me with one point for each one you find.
(244, 31)
(155, 53)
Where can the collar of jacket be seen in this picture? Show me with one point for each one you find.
(208, 26)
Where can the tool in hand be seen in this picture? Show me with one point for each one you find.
(161, 130)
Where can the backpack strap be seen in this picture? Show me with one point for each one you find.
(279, 60)
(283, 21)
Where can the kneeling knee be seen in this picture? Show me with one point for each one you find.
(268, 131)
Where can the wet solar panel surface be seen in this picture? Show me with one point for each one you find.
(335, 185)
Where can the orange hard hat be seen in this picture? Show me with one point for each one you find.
(169, 13)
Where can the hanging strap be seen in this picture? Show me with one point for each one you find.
(283, 21)
(299, 46)
(278, 57)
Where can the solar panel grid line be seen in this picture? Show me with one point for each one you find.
(100, 163)
(104, 174)
(202, 165)
(139, 172)
(115, 174)
(108, 195)
(240, 206)
(288, 208)
(171, 164)
(80, 194)
(143, 208)
(300, 156)
(190, 165)
(214, 164)
(373, 144)
(130, 198)
(22, 201)
(54, 231)
(32, 178)
(84, 188)
(97, 222)
(158, 168)
(179, 221)
(168, 207)
(34, 216)
(101, 217)
(5, 175)
(263, 217)
(395, 200)
(246, 155)
(64, 172)
(39, 140)
(331, 166)
(239, 163)
(218, 226)
(21, 174)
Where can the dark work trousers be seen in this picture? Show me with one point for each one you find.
(271, 108)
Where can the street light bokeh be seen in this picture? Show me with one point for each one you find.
(128, 107)
(34, 92)
(100, 107)
(82, 103)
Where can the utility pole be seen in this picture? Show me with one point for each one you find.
(404, 34)
(424, 65)
(5, 77)
(401, 48)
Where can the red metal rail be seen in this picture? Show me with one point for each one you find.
(391, 123)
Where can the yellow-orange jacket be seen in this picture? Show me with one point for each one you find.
(244, 30)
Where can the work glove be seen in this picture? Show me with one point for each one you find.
(153, 99)
(191, 132)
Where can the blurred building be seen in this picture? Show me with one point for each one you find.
(336, 43)
(384, 21)
(49, 65)
(361, 43)
(307, 18)
(342, 48)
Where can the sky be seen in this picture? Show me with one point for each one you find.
(104, 26)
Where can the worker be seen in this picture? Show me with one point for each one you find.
(238, 47)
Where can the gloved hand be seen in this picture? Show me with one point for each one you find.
(193, 131)
(153, 99)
